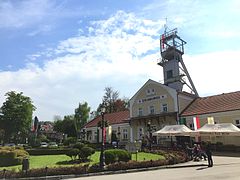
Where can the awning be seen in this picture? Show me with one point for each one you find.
(174, 130)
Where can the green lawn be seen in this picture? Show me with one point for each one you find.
(61, 160)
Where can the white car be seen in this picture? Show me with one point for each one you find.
(44, 144)
(52, 144)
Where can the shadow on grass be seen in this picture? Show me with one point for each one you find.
(71, 162)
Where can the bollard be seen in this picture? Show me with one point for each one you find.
(4, 173)
(25, 165)
(46, 169)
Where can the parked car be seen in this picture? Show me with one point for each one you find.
(44, 144)
(52, 144)
(10, 144)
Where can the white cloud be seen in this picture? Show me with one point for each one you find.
(115, 53)
(121, 52)
(23, 13)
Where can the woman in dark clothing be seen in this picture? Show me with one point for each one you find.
(209, 155)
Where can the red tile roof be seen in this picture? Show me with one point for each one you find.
(212, 104)
(112, 118)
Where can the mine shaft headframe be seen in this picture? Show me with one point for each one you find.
(169, 41)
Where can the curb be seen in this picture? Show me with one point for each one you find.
(115, 172)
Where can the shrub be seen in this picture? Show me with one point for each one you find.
(94, 168)
(78, 146)
(69, 140)
(45, 171)
(114, 155)
(72, 153)
(135, 165)
(12, 156)
(85, 152)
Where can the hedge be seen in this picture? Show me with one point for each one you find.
(173, 157)
(115, 155)
(12, 156)
(47, 151)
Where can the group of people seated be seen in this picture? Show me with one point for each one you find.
(198, 153)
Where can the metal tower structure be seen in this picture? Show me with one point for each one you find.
(174, 69)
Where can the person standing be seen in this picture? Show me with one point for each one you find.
(209, 155)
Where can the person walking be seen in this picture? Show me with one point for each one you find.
(209, 155)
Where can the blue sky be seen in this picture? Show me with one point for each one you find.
(61, 53)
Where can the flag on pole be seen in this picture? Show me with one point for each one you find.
(104, 135)
(182, 121)
(196, 123)
(210, 120)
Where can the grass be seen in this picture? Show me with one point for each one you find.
(62, 160)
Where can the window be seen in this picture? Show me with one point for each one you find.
(153, 91)
(237, 123)
(169, 74)
(164, 108)
(150, 92)
(140, 112)
(125, 134)
(151, 109)
(140, 133)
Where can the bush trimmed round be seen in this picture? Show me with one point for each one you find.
(116, 155)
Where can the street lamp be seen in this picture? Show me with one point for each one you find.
(150, 134)
(102, 157)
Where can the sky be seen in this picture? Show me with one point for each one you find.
(62, 53)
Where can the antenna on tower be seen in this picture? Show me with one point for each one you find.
(165, 26)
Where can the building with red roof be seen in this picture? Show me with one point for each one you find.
(118, 127)
(222, 108)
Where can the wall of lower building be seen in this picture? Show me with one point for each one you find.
(94, 134)
(220, 117)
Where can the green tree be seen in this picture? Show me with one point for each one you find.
(66, 126)
(16, 115)
(81, 116)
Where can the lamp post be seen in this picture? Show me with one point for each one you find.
(150, 134)
(102, 157)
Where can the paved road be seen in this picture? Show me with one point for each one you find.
(225, 168)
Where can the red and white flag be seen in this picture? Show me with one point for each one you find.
(196, 123)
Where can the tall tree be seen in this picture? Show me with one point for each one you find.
(81, 116)
(109, 98)
(112, 102)
(16, 115)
